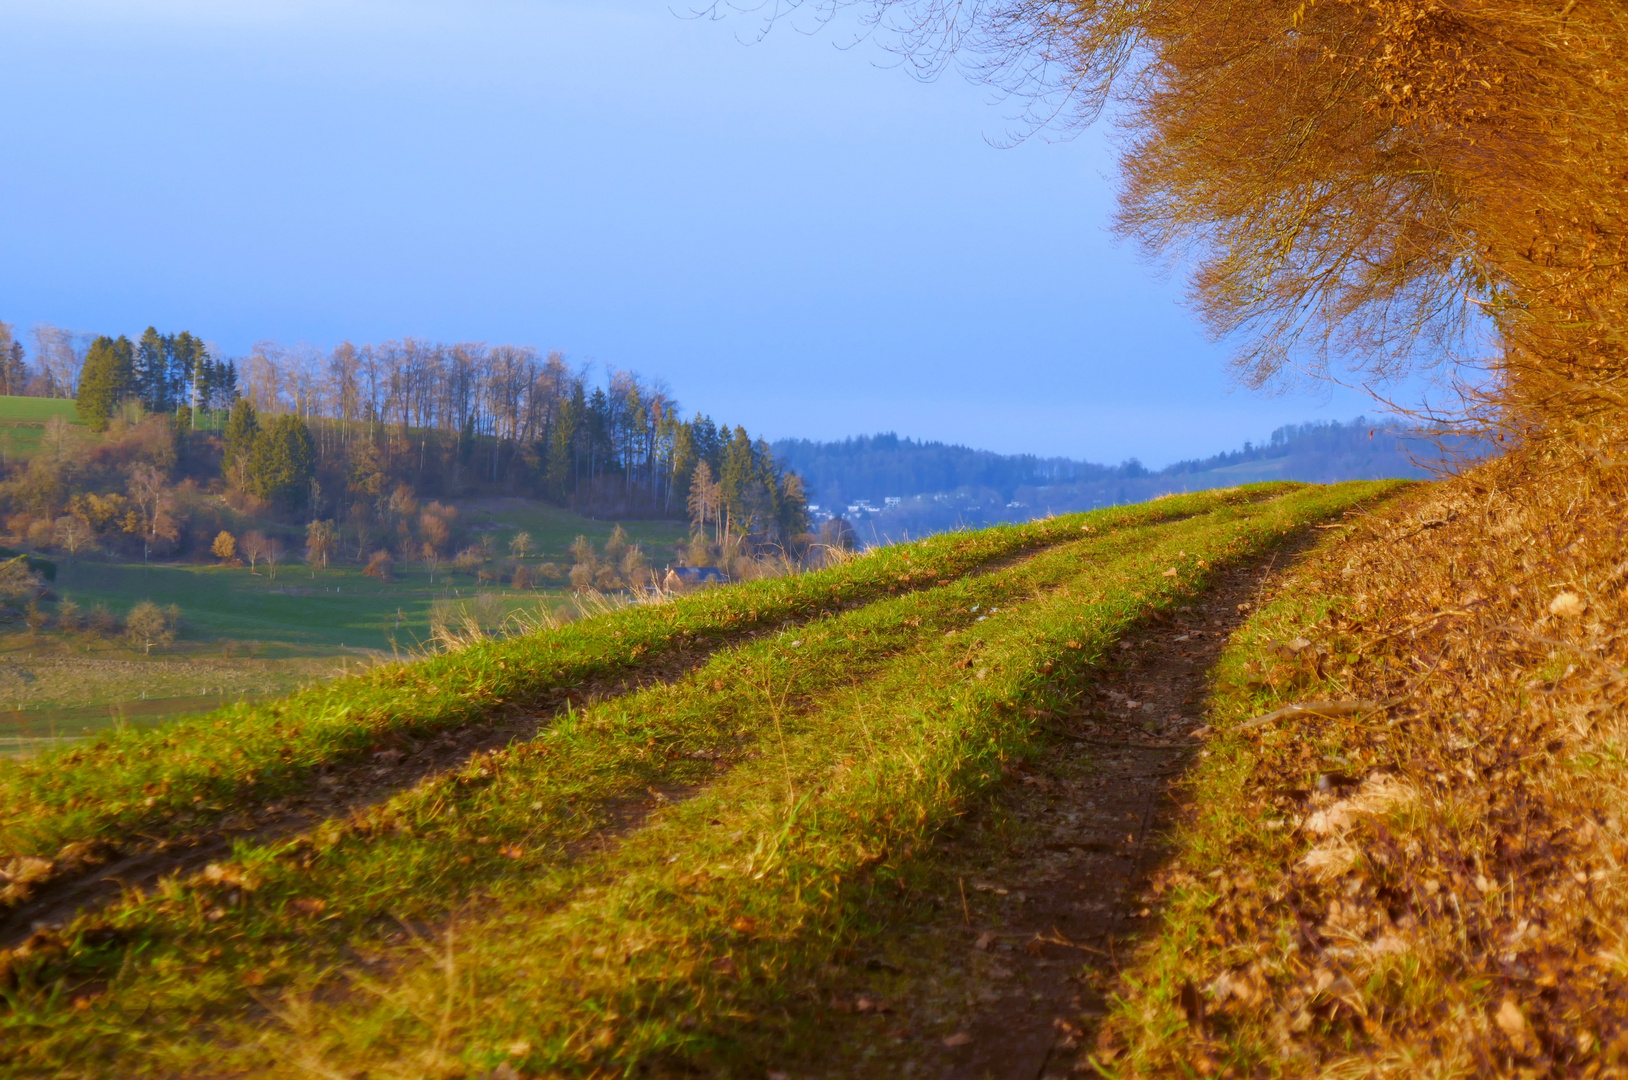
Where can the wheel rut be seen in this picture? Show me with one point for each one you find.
(1040, 894)
(344, 788)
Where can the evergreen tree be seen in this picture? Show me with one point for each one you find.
(736, 481)
(241, 428)
(104, 381)
(187, 372)
(282, 463)
(793, 507)
(683, 461)
(152, 371)
(13, 369)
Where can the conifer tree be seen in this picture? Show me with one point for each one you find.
(282, 463)
(104, 381)
(241, 428)
(152, 366)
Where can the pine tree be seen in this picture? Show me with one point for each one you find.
(13, 370)
(152, 371)
(104, 381)
(241, 428)
(187, 372)
(735, 481)
(282, 463)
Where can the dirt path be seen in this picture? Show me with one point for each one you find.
(1040, 894)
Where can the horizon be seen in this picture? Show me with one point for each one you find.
(766, 227)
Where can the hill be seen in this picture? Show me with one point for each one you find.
(891, 486)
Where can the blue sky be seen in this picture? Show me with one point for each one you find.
(795, 236)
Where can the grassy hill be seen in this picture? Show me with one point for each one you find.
(1265, 778)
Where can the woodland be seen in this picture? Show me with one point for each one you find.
(339, 450)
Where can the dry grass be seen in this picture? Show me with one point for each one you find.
(1430, 885)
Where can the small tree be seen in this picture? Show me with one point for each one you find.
(379, 566)
(254, 547)
(520, 544)
(320, 537)
(149, 625)
(273, 554)
(225, 546)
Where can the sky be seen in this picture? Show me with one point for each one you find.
(791, 232)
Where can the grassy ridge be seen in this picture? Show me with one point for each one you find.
(507, 826)
(173, 780)
(688, 940)
(423, 851)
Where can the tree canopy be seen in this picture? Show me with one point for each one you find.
(1351, 183)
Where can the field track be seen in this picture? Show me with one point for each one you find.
(711, 816)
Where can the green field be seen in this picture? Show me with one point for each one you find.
(248, 634)
(661, 882)
(22, 423)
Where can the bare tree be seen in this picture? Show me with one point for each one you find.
(273, 554)
(60, 354)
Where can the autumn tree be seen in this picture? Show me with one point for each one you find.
(225, 546)
(1354, 184)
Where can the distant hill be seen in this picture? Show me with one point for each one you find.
(891, 485)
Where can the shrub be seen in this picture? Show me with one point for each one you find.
(102, 621)
(151, 625)
(224, 547)
(523, 577)
(19, 583)
(582, 576)
(380, 566)
(68, 615)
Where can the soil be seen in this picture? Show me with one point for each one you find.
(1041, 893)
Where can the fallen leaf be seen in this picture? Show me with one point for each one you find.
(1511, 1020)
(1169, 573)
(1566, 605)
(745, 924)
(960, 1038)
(511, 851)
(311, 906)
(985, 940)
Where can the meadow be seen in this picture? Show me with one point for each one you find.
(771, 753)
(258, 633)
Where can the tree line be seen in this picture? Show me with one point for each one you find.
(304, 435)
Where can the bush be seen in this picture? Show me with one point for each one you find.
(148, 624)
(582, 576)
(102, 621)
(380, 566)
(523, 577)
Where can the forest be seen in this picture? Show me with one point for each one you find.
(358, 449)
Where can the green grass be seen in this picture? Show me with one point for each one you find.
(173, 779)
(553, 529)
(303, 606)
(35, 410)
(850, 739)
